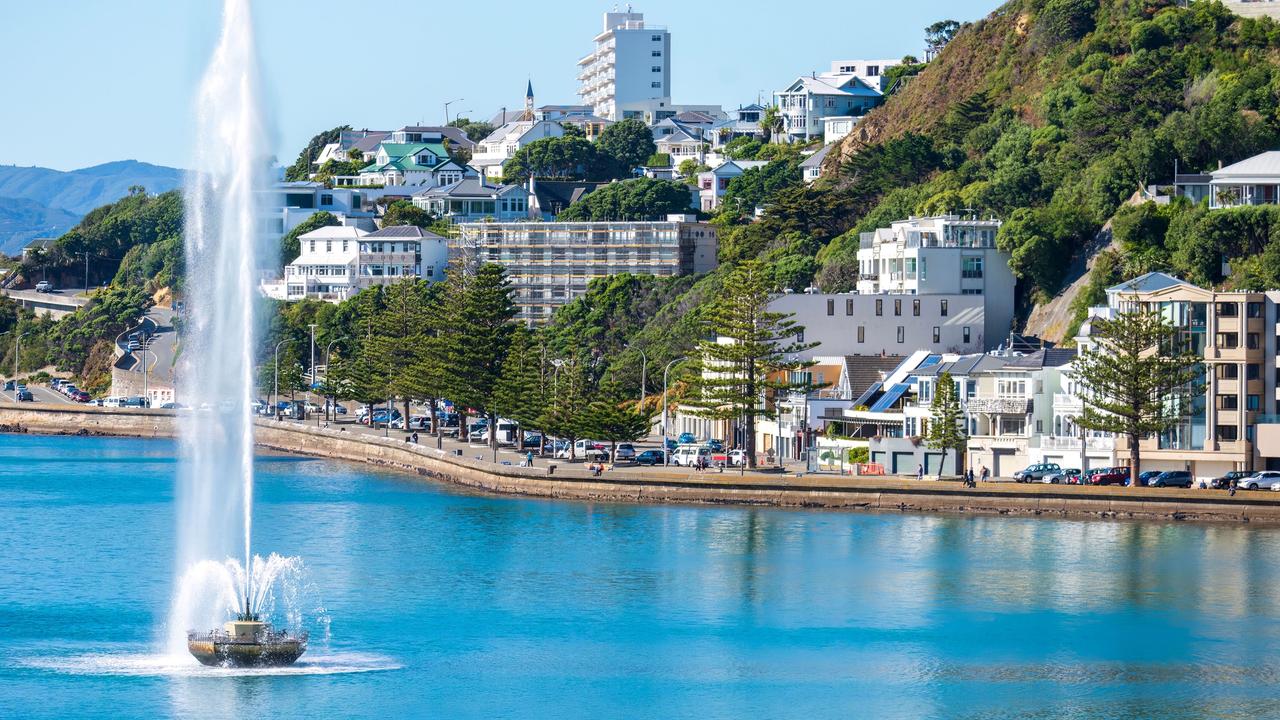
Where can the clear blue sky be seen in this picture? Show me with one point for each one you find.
(89, 81)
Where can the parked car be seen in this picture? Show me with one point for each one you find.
(44, 286)
(1145, 478)
(714, 446)
(1036, 472)
(625, 451)
(687, 438)
(80, 396)
(1109, 476)
(9, 386)
(25, 396)
(688, 455)
(1224, 482)
(1261, 480)
(1062, 477)
(380, 417)
(651, 457)
(671, 444)
(134, 345)
(1173, 478)
(736, 458)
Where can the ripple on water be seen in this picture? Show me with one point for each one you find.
(158, 665)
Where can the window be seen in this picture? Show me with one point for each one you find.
(873, 70)
(1252, 371)
(1011, 388)
(965, 334)
(1253, 402)
(1228, 309)
(656, 68)
(970, 389)
(1228, 371)
(926, 391)
(1228, 433)
(657, 53)
(971, 291)
(943, 309)
(800, 335)
(848, 307)
(862, 333)
(879, 307)
(937, 334)
(897, 307)
(831, 307)
(1229, 402)
(655, 84)
(971, 268)
(1254, 309)
(328, 246)
(326, 199)
(915, 308)
(1253, 341)
(657, 38)
(313, 246)
(344, 246)
(1228, 340)
(902, 334)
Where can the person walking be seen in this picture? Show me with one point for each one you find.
(985, 473)
(528, 458)
(920, 471)
(1233, 487)
(968, 477)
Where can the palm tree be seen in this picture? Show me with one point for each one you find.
(771, 122)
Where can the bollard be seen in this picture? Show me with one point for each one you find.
(551, 469)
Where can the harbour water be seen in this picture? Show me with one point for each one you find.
(427, 602)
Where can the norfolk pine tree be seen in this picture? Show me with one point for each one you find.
(612, 416)
(946, 426)
(734, 377)
(1135, 381)
(477, 337)
(398, 339)
(519, 394)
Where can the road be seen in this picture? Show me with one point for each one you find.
(158, 322)
(42, 394)
(57, 302)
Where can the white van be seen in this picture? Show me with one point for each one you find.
(687, 455)
(112, 402)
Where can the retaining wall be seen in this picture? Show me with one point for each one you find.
(635, 485)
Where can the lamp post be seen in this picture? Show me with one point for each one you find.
(333, 401)
(446, 109)
(17, 351)
(665, 454)
(644, 366)
(275, 389)
(146, 396)
(311, 369)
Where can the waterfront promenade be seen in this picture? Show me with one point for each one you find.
(471, 466)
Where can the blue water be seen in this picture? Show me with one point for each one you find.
(462, 606)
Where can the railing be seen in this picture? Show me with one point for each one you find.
(1012, 406)
(1067, 400)
(1062, 442)
(261, 637)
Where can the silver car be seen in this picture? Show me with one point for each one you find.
(1260, 480)
(625, 451)
(1061, 477)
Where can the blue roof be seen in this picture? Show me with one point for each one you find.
(888, 399)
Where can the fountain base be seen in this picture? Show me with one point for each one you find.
(246, 642)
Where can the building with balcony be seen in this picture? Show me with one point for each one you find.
(1009, 408)
(946, 255)
(1252, 181)
(1234, 393)
(551, 263)
(337, 262)
(630, 65)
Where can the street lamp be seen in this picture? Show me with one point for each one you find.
(17, 350)
(146, 396)
(446, 109)
(333, 400)
(275, 390)
(311, 369)
(644, 366)
(665, 454)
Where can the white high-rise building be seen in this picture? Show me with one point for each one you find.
(630, 66)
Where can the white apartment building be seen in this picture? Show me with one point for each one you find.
(870, 71)
(942, 255)
(337, 262)
(551, 263)
(631, 64)
(884, 324)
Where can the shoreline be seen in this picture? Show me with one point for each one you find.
(556, 480)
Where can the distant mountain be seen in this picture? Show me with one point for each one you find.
(22, 220)
(36, 201)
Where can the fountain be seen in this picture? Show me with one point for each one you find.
(215, 484)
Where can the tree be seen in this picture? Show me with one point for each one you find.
(562, 415)
(1138, 379)
(404, 212)
(689, 169)
(476, 130)
(946, 426)
(937, 35)
(521, 391)
(291, 246)
(629, 143)
(477, 336)
(301, 168)
(771, 122)
(747, 362)
(638, 199)
(564, 158)
(398, 338)
(613, 418)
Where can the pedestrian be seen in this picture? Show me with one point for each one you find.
(969, 478)
(920, 471)
(1233, 487)
(985, 473)
(415, 438)
(528, 458)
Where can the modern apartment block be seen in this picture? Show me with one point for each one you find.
(551, 263)
(884, 324)
(630, 65)
(942, 255)
(1230, 413)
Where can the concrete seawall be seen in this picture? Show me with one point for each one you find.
(640, 486)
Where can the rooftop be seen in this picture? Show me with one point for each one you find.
(1260, 165)
(403, 232)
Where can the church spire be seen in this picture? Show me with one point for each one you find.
(528, 101)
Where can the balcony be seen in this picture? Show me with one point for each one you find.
(1062, 442)
(999, 405)
(1067, 402)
